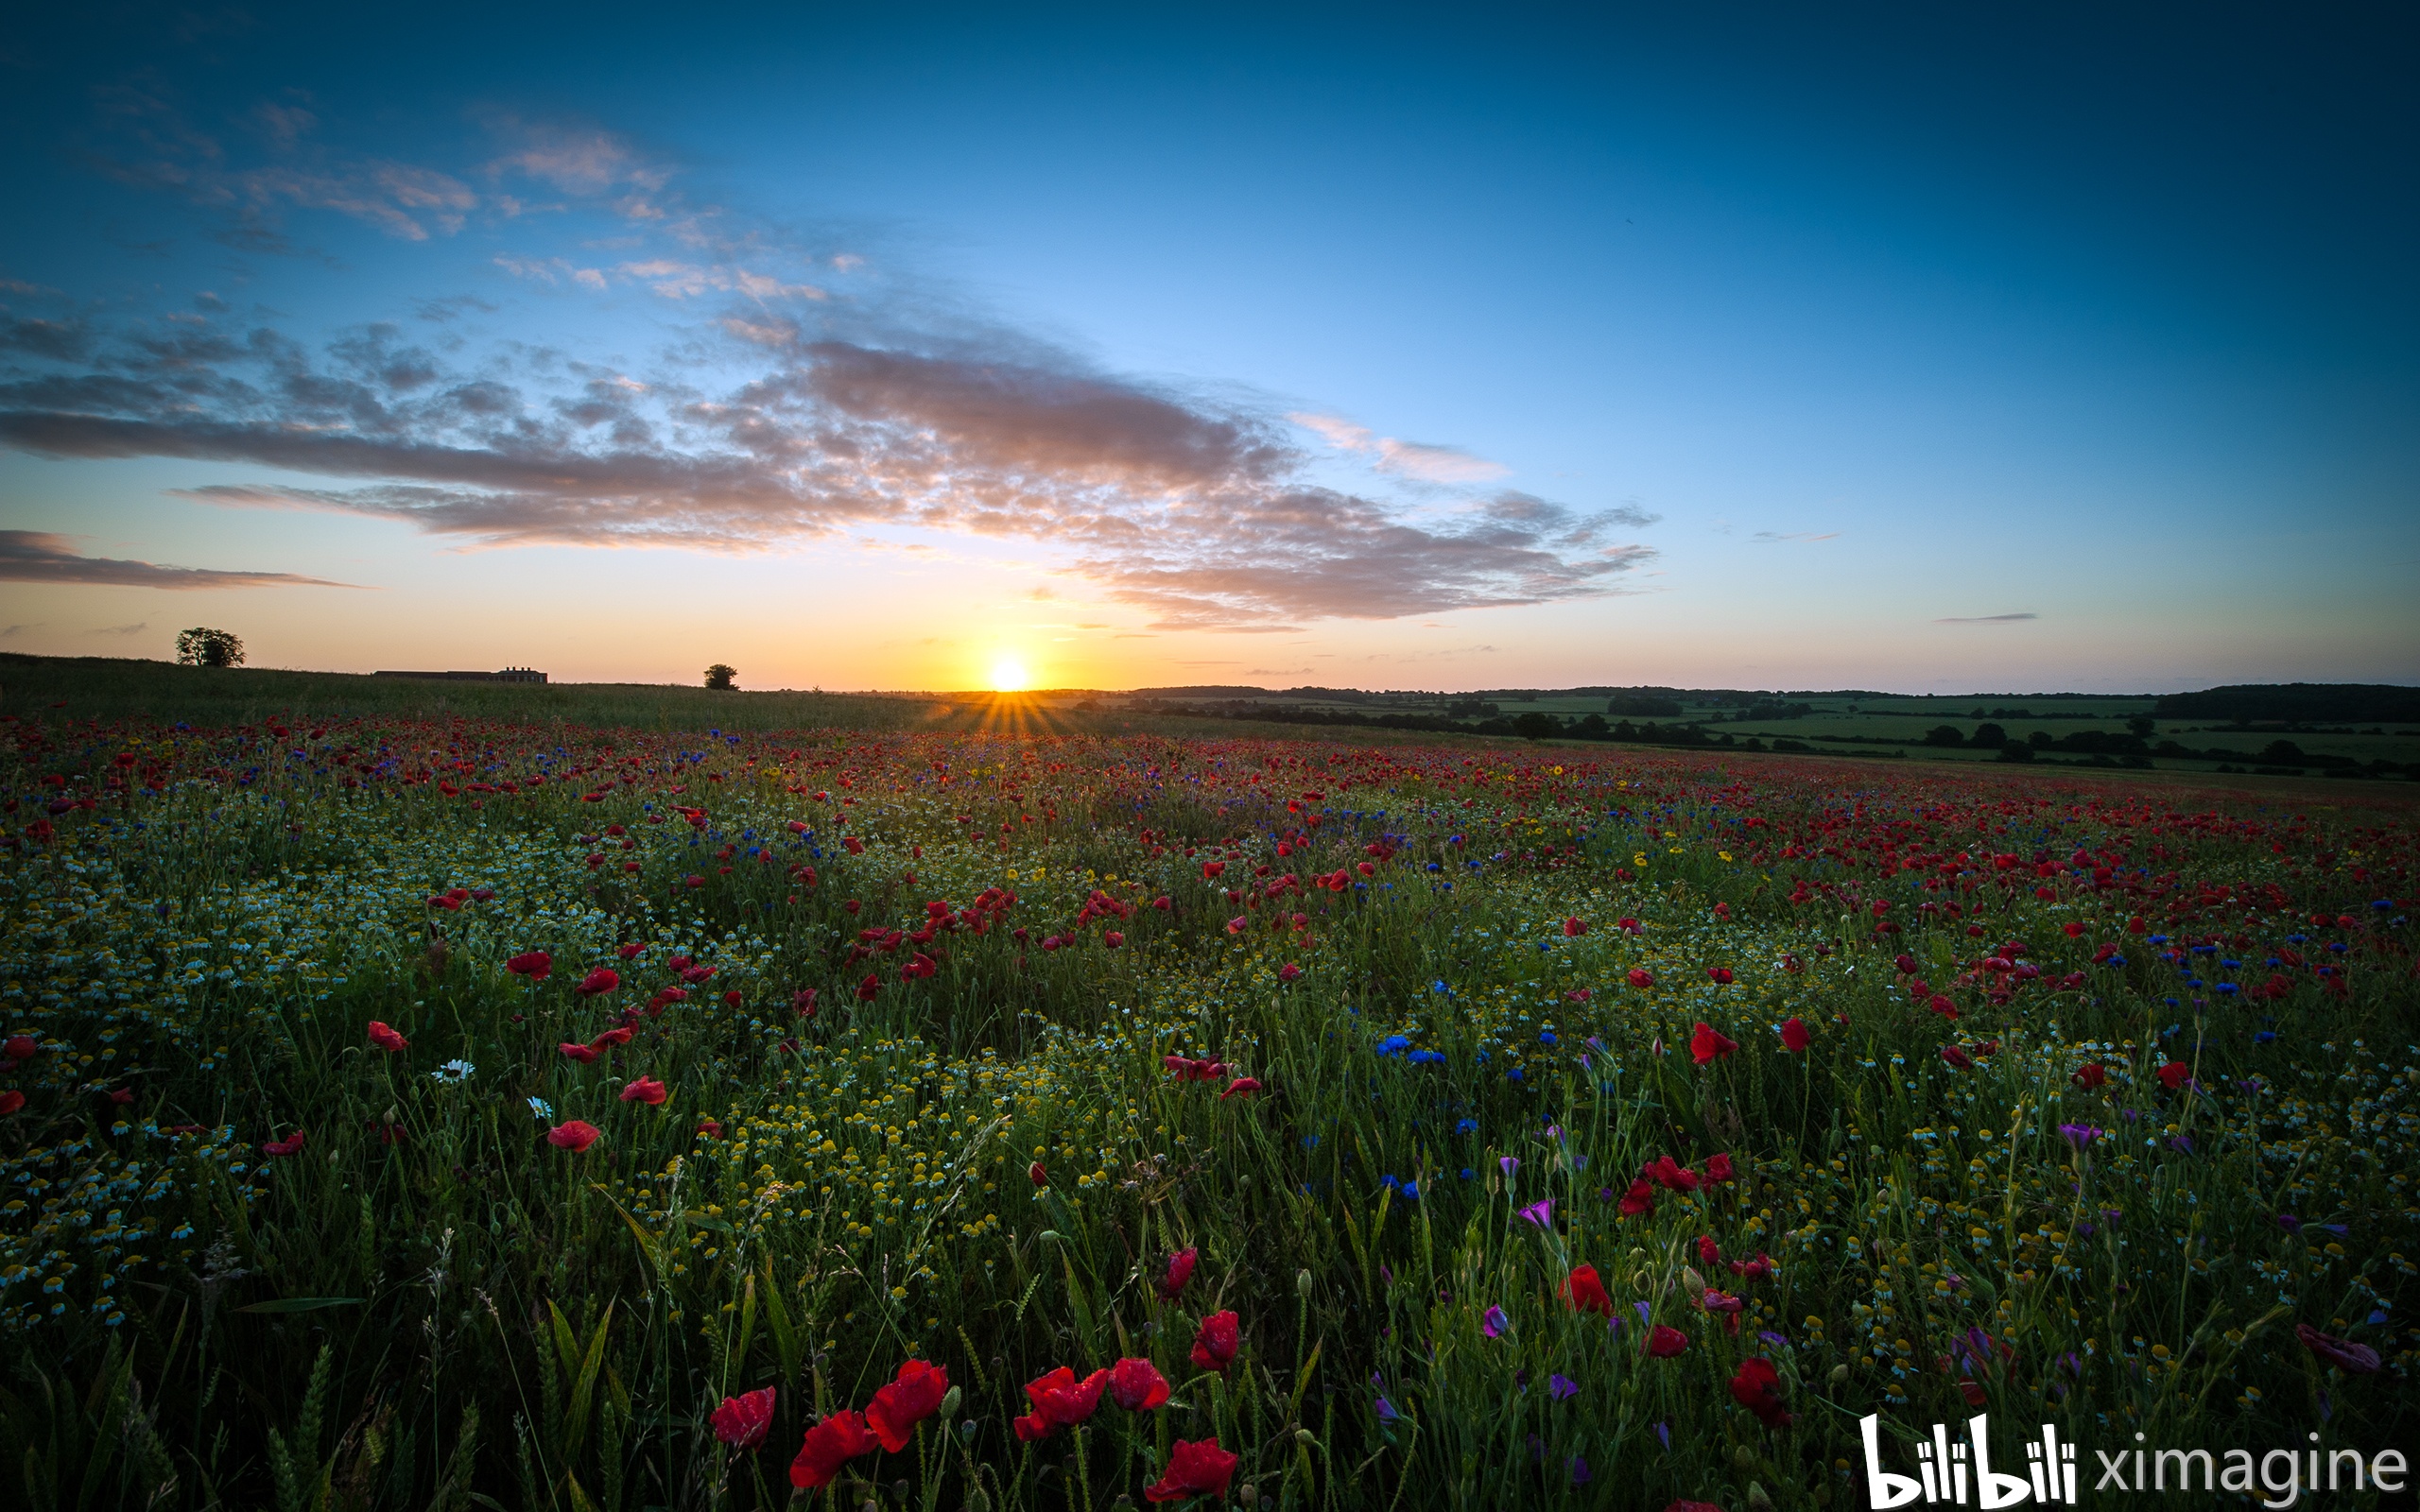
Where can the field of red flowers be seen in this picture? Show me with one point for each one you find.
(426, 1114)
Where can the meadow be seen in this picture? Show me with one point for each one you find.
(613, 1106)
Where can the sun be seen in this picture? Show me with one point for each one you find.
(1009, 675)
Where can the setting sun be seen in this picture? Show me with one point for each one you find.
(1007, 675)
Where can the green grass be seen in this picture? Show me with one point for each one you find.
(427, 1304)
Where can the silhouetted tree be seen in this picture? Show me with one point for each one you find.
(722, 679)
(203, 647)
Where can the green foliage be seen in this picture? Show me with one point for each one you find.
(426, 1303)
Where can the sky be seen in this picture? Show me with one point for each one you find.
(1929, 349)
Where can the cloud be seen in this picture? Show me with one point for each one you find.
(39, 556)
(777, 416)
(1409, 459)
(135, 628)
(1987, 619)
(12, 631)
(1807, 537)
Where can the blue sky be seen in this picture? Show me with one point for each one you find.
(2068, 349)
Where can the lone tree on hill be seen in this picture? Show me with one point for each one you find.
(722, 679)
(201, 647)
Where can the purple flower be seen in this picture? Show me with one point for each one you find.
(1387, 1413)
(1509, 1163)
(1664, 1432)
(1540, 1213)
(2080, 1135)
(1579, 1475)
(1493, 1322)
(1778, 1341)
(2289, 1223)
(1642, 1311)
(1562, 1387)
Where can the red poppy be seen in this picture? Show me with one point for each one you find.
(1671, 1174)
(583, 1053)
(1718, 976)
(629, 952)
(535, 965)
(1212, 868)
(1035, 1174)
(387, 1038)
(2090, 1075)
(1137, 1385)
(2356, 1359)
(1059, 1401)
(646, 1089)
(1200, 1469)
(1708, 1045)
(710, 1129)
(1587, 1292)
(1240, 1087)
(1663, 1342)
(1693, 1506)
(1718, 1168)
(1956, 1057)
(1572, 927)
(576, 1135)
(619, 1035)
(10, 1101)
(22, 1047)
(741, 1420)
(914, 1396)
(1179, 1271)
(291, 1145)
(1754, 1270)
(2175, 1074)
(604, 979)
(829, 1445)
(869, 989)
(1639, 1200)
(1794, 1037)
(1757, 1388)
(1288, 971)
(1113, 939)
(1639, 977)
(1215, 1344)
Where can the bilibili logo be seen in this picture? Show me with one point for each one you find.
(1960, 1471)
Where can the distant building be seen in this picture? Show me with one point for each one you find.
(507, 675)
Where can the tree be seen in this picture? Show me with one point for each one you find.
(1536, 725)
(1988, 738)
(203, 647)
(722, 679)
(2142, 725)
(1944, 735)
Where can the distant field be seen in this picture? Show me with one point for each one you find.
(1891, 728)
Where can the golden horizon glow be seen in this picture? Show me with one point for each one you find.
(1009, 675)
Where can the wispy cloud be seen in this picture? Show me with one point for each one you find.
(135, 628)
(785, 416)
(41, 556)
(1410, 459)
(10, 632)
(1804, 537)
(1986, 619)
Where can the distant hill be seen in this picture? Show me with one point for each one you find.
(2297, 703)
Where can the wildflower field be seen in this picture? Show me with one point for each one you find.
(434, 1113)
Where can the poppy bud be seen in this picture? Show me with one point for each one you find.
(1037, 1175)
